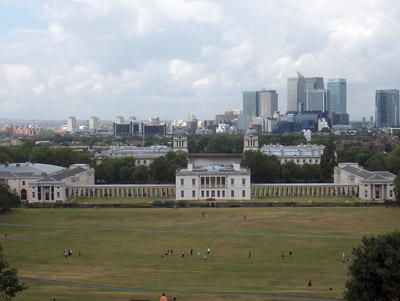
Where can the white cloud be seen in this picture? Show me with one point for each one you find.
(169, 57)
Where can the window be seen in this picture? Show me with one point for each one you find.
(232, 181)
(33, 194)
(182, 182)
(182, 194)
(207, 181)
(23, 183)
(193, 193)
(218, 194)
(58, 194)
(391, 193)
(213, 193)
(207, 193)
(144, 162)
(243, 193)
(193, 181)
(223, 181)
(243, 181)
(232, 193)
(202, 193)
(202, 180)
(223, 193)
(297, 160)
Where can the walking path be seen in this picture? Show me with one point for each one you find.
(138, 290)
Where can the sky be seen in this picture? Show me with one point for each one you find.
(168, 58)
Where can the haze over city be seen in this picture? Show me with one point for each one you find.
(169, 58)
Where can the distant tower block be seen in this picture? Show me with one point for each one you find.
(180, 143)
(250, 140)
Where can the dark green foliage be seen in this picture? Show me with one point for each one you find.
(9, 283)
(311, 172)
(141, 175)
(263, 168)
(163, 169)
(375, 270)
(291, 172)
(393, 161)
(8, 199)
(116, 171)
(215, 144)
(328, 162)
(369, 159)
(43, 154)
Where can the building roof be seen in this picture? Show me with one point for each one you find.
(302, 150)
(369, 176)
(250, 132)
(28, 169)
(62, 175)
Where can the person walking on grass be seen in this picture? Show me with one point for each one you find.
(163, 298)
(309, 285)
(208, 250)
(183, 253)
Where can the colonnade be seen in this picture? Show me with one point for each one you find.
(75, 191)
(314, 189)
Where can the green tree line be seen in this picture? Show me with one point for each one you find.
(124, 170)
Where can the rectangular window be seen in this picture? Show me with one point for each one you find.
(193, 181)
(223, 181)
(58, 194)
(202, 193)
(182, 182)
(207, 193)
(223, 193)
(193, 193)
(391, 193)
(218, 194)
(243, 193)
(33, 194)
(212, 181)
(232, 193)
(23, 183)
(213, 193)
(182, 194)
(243, 181)
(218, 181)
(232, 181)
(202, 180)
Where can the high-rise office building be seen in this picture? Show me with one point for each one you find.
(267, 103)
(314, 83)
(387, 108)
(296, 96)
(71, 124)
(250, 103)
(337, 95)
(316, 100)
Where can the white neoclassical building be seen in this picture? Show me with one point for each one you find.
(299, 154)
(35, 182)
(372, 185)
(213, 182)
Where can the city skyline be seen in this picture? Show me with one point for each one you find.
(169, 58)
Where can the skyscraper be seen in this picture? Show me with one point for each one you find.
(314, 83)
(296, 96)
(268, 103)
(250, 103)
(337, 95)
(316, 100)
(387, 108)
(93, 123)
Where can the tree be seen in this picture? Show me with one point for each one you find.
(8, 199)
(263, 168)
(9, 283)
(375, 271)
(328, 162)
(393, 161)
(291, 172)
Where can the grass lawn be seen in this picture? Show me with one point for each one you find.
(126, 248)
(307, 199)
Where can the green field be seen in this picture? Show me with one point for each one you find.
(125, 248)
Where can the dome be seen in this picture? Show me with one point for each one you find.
(179, 132)
(250, 132)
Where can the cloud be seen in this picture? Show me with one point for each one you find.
(171, 57)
